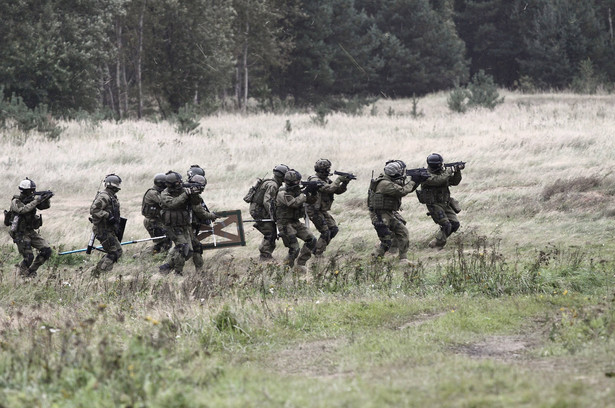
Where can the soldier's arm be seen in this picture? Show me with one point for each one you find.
(271, 191)
(153, 197)
(18, 207)
(201, 213)
(288, 200)
(331, 188)
(455, 178)
(100, 208)
(396, 190)
(171, 202)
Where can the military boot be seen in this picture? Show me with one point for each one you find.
(165, 269)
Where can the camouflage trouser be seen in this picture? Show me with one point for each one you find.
(155, 228)
(390, 225)
(112, 247)
(325, 224)
(197, 251)
(446, 218)
(290, 230)
(26, 240)
(270, 235)
(182, 251)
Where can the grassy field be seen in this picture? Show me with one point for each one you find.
(517, 310)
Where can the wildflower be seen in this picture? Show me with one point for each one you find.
(336, 272)
(54, 330)
(565, 292)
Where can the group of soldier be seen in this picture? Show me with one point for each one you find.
(174, 212)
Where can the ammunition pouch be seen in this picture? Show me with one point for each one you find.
(433, 195)
(8, 217)
(176, 218)
(37, 222)
(150, 211)
(379, 201)
(454, 205)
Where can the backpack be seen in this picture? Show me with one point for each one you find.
(249, 197)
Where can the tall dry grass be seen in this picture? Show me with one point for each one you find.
(528, 145)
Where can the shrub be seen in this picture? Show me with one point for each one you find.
(457, 100)
(187, 120)
(483, 92)
(14, 113)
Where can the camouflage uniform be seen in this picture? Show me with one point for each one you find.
(25, 235)
(435, 194)
(263, 207)
(319, 211)
(177, 217)
(289, 211)
(201, 216)
(151, 208)
(384, 202)
(105, 217)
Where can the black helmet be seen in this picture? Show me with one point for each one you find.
(173, 179)
(113, 180)
(394, 169)
(434, 161)
(194, 170)
(198, 179)
(280, 170)
(322, 166)
(292, 178)
(160, 180)
(27, 185)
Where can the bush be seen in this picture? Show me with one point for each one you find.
(14, 113)
(457, 100)
(187, 120)
(585, 82)
(480, 92)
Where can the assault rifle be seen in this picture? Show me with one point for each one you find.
(349, 176)
(45, 195)
(457, 165)
(311, 187)
(192, 188)
(418, 175)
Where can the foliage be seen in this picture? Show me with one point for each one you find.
(187, 120)
(585, 81)
(480, 92)
(457, 99)
(15, 114)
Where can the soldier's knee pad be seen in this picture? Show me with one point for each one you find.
(311, 243)
(446, 227)
(290, 240)
(28, 259)
(184, 250)
(334, 230)
(386, 244)
(45, 253)
(198, 248)
(293, 253)
(326, 236)
(455, 226)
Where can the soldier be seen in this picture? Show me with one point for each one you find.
(24, 222)
(384, 201)
(105, 219)
(177, 217)
(289, 211)
(150, 209)
(201, 215)
(262, 207)
(435, 194)
(318, 212)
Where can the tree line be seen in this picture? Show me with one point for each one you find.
(131, 58)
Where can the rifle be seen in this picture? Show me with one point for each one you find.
(418, 175)
(192, 188)
(311, 187)
(349, 176)
(45, 195)
(457, 165)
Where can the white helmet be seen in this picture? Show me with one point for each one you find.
(113, 180)
(394, 169)
(27, 184)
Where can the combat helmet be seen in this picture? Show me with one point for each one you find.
(113, 181)
(292, 178)
(322, 166)
(394, 169)
(280, 170)
(434, 161)
(194, 170)
(173, 179)
(198, 179)
(160, 180)
(27, 186)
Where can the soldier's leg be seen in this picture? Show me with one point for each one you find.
(452, 218)
(24, 247)
(197, 254)
(319, 220)
(44, 252)
(438, 214)
(401, 237)
(379, 221)
(289, 238)
(183, 248)
(309, 243)
(112, 246)
(270, 235)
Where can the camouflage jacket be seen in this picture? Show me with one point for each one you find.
(151, 206)
(435, 189)
(385, 193)
(25, 208)
(263, 205)
(325, 196)
(289, 204)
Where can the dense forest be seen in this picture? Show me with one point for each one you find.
(132, 58)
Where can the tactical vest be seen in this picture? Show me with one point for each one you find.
(433, 194)
(259, 195)
(283, 212)
(26, 221)
(377, 201)
(150, 209)
(177, 217)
